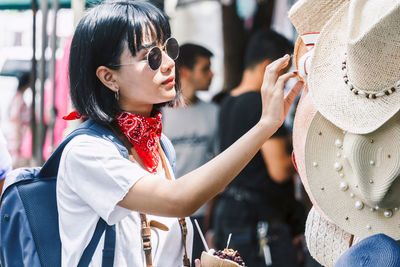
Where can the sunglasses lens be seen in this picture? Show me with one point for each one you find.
(172, 48)
(154, 58)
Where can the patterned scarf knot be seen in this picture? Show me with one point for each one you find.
(143, 133)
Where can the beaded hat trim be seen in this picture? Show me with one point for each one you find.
(360, 92)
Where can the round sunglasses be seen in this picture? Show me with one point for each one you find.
(154, 56)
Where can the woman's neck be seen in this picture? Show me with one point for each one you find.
(144, 110)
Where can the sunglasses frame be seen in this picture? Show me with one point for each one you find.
(160, 52)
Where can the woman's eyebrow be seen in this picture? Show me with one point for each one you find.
(145, 46)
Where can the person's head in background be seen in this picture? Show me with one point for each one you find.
(120, 61)
(194, 67)
(264, 47)
(23, 81)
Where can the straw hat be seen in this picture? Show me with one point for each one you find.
(310, 16)
(354, 178)
(354, 79)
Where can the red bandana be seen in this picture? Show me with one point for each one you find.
(144, 133)
(74, 115)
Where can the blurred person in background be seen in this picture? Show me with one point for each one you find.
(261, 198)
(20, 137)
(192, 129)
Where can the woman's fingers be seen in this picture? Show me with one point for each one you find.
(197, 263)
(278, 64)
(272, 70)
(284, 78)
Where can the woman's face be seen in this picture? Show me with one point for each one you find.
(139, 86)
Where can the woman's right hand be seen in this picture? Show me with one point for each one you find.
(275, 105)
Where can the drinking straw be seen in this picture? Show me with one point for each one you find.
(201, 235)
(229, 240)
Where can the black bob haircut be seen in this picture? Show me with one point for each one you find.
(266, 44)
(99, 40)
(188, 54)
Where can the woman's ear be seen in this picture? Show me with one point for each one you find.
(106, 76)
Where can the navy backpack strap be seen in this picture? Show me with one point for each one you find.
(50, 167)
(109, 245)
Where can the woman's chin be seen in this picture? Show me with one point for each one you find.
(170, 93)
(167, 96)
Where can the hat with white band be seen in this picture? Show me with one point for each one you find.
(309, 17)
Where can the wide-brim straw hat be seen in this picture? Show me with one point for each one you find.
(354, 178)
(354, 79)
(310, 16)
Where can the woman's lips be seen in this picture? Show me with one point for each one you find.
(169, 81)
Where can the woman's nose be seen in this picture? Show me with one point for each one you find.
(167, 63)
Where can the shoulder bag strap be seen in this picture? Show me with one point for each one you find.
(146, 239)
(182, 221)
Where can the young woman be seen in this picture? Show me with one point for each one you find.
(122, 71)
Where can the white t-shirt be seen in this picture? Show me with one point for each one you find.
(93, 177)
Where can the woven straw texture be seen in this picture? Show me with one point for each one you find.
(350, 175)
(369, 32)
(311, 15)
(325, 240)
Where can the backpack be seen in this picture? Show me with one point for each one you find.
(29, 234)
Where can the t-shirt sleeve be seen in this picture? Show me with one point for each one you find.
(100, 175)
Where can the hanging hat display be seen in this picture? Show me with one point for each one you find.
(355, 76)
